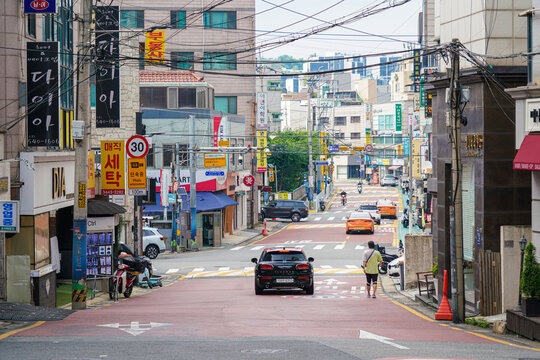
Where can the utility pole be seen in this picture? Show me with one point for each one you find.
(456, 216)
(78, 287)
(411, 120)
(310, 151)
(192, 181)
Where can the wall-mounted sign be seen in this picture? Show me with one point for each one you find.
(249, 180)
(108, 67)
(261, 153)
(112, 168)
(91, 181)
(398, 117)
(4, 184)
(42, 93)
(154, 47)
(39, 6)
(58, 183)
(262, 120)
(9, 216)
(532, 115)
(215, 160)
(82, 196)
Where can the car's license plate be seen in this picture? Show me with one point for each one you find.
(285, 280)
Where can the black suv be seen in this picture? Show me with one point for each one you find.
(286, 209)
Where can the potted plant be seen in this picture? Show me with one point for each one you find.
(530, 283)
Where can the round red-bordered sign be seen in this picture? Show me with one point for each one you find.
(137, 146)
(249, 180)
(369, 148)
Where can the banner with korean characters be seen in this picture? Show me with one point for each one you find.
(9, 216)
(262, 109)
(42, 94)
(261, 153)
(137, 176)
(113, 168)
(154, 47)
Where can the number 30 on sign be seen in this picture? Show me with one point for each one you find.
(137, 146)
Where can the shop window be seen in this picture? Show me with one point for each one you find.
(355, 119)
(356, 135)
(220, 20)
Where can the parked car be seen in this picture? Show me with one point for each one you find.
(393, 266)
(387, 209)
(373, 210)
(153, 242)
(283, 268)
(286, 209)
(389, 180)
(360, 221)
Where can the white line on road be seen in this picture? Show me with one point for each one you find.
(351, 266)
(326, 266)
(359, 247)
(225, 268)
(317, 218)
(382, 339)
(237, 248)
(257, 247)
(172, 271)
(331, 218)
(318, 247)
(248, 268)
(339, 247)
(299, 246)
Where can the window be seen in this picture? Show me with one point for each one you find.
(340, 120)
(182, 60)
(178, 19)
(31, 25)
(141, 56)
(49, 28)
(183, 155)
(356, 135)
(168, 155)
(355, 119)
(389, 122)
(339, 135)
(150, 159)
(153, 97)
(220, 20)
(219, 61)
(132, 19)
(187, 97)
(226, 104)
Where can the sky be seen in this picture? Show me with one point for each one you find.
(275, 24)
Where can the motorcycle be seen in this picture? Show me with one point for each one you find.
(405, 220)
(322, 205)
(128, 269)
(387, 258)
(359, 188)
(343, 200)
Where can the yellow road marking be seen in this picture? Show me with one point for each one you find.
(413, 311)
(501, 341)
(13, 332)
(348, 237)
(272, 234)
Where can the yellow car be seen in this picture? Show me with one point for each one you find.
(360, 221)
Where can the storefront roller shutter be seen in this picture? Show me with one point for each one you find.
(342, 171)
(468, 211)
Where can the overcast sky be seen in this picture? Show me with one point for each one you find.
(400, 23)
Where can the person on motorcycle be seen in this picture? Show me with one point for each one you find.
(359, 187)
(343, 197)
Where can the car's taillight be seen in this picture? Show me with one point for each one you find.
(302, 267)
(267, 267)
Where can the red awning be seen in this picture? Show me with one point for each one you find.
(528, 156)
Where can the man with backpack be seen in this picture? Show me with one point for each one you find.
(371, 261)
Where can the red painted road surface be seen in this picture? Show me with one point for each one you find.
(191, 308)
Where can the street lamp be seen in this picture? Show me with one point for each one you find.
(522, 246)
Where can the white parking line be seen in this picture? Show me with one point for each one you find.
(172, 271)
(318, 247)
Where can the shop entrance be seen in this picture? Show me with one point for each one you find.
(208, 229)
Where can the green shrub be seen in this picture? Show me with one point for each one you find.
(435, 267)
(530, 278)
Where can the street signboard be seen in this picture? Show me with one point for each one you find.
(214, 173)
(333, 148)
(9, 216)
(39, 6)
(225, 143)
(248, 180)
(136, 173)
(215, 160)
(321, 163)
(344, 148)
(137, 192)
(112, 167)
(137, 146)
(331, 168)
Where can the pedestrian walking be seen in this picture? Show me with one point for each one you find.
(371, 261)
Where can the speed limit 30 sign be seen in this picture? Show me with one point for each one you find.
(137, 146)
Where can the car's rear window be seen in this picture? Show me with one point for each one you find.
(359, 215)
(368, 207)
(385, 203)
(287, 256)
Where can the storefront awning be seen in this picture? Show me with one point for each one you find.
(208, 201)
(103, 208)
(528, 156)
(394, 167)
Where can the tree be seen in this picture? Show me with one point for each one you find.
(289, 154)
(530, 278)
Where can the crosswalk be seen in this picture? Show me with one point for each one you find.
(248, 271)
(305, 245)
(382, 228)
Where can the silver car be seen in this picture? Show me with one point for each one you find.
(373, 210)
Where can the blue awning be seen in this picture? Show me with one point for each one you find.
(206, 201)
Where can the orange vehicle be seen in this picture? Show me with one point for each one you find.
(360, 221)
(387, 209)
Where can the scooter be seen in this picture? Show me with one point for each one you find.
(128, 268)
(359, 188)
(405, 220)
(387, 258)
(322, 205)
(343, 200)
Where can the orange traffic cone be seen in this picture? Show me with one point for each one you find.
(264, 231)
(445, 312)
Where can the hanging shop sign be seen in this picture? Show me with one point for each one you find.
(532, 115)
(91, 181)
(136, 173)
(39, 6)
(154, 47)
(261, 153)
(398, 117)
(112, 168)
(220, 130)
(215, 160)
(9, 216)
(262, 109)
(249, 180)
(42, 94)
(107, 67)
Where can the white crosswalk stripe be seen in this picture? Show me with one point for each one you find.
(351, 266)
(249, 272)
(331, 218)
(339, 247)
(225, 268)
(318, 247)
(237, 248)
(317, 218)
(359, 247)
(299, 246)
(257, 248)
(171, 271)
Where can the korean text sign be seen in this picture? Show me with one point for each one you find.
(154, 47)
(261, 153)
(9, 216)
(112, 168)
(42, 93)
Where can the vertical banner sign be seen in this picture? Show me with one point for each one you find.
(154, 47)
(429, 106)
(271, 175)
(261, 153)
(324, 145)
(91, 181)
(79, 252)
(112, 168)
(416, 70)
(82, 196)
(368, 136)
(262, 119)
(42, 94)
(39, 6)
(222, 131)
(9, 216)
(217, 122)
(137, 173)
(107, 67)
(399, 121)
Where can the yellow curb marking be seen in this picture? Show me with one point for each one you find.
(413, 311)
(501, 341)
(13, 332)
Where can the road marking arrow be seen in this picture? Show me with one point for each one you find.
(382, 339)
(330, 282)
(134, 328)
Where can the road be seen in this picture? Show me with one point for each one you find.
(211, 310)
